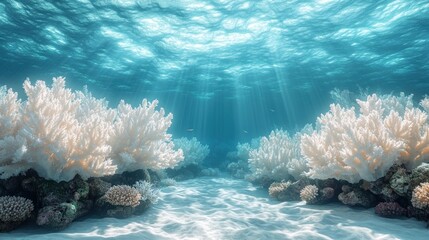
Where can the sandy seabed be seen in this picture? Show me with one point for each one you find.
(225, 208)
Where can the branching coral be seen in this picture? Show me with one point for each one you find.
(278, 157)
(139, 139)
(15, 209)
(123, 195)
(147, 191)
(309, 193)
(278, 187)
(353, 146)
(61, 133)
(193, 151)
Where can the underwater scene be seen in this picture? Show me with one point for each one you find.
(214, 119)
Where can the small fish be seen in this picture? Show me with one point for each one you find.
(245, 131)
(272, 110)
(190, 130)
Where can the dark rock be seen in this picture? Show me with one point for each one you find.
(9, 226)
(128, 178)
(357, 197)
(51, 193)
(97, 187)
(326, 195)
(419, 214)
(418, 175)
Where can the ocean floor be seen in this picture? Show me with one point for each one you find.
(225, 208)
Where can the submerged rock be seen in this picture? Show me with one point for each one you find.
(418, 175)
(356, 197)
(51, 193)
(61, 215)
(292, 191)
(400, 181)
(97, 187)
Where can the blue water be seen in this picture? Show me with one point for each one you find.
(229, 70)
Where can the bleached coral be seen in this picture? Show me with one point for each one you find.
(11, 145)
(193, 151)
(420, 197)
(123, 195)
(278, 157)
(140, 139)
(61, 138)
(15, 209)
(424, 103)
(60, 133)
(413, 130)
(9, 112)
(166, 182)
(353, 146)
(147, 191)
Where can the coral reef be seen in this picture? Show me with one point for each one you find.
(60, 133)
(58, 204)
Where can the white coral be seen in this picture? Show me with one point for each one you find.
(61, 139)
(147, 191)
(140, 139)
(354, 146)
(193, 151)
(278, 157)
(61, 133)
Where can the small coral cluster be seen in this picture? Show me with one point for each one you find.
(123, 195)
(238, 165)
(278, 157)
(309, 193)
(420, 197)
(15, 209)
(55, 205)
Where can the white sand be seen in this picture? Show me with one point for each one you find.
(224, 208)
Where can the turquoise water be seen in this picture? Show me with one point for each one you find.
(229, 71)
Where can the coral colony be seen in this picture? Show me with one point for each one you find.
(65, 154)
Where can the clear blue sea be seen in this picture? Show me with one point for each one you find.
(228, 70)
